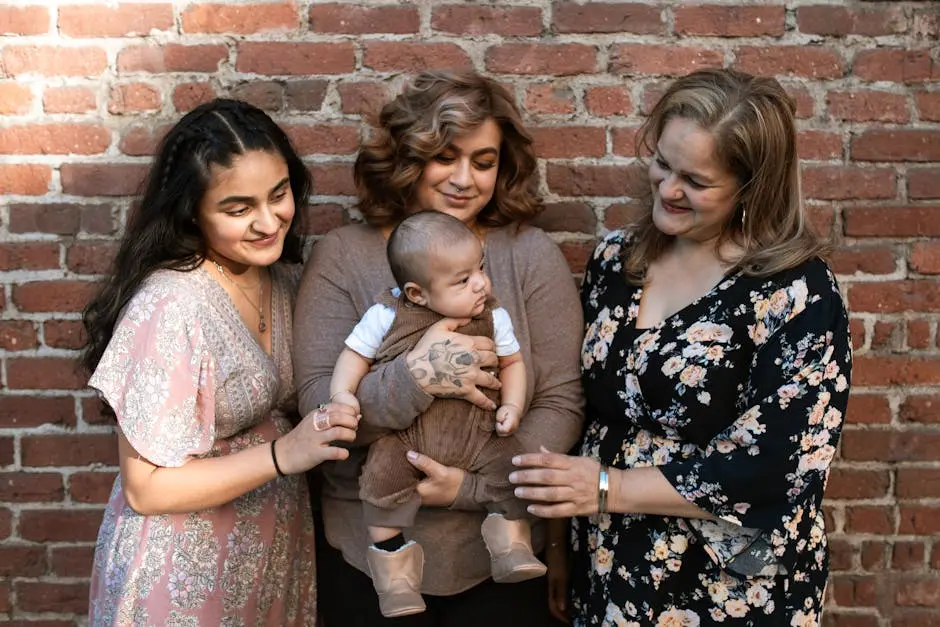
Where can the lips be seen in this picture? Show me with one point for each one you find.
(668, 208)
(458, 200)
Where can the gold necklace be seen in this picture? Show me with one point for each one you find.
(262, 327)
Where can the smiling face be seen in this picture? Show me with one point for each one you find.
(693, 193)
(247, 210)
(460, 180)
(457, 285)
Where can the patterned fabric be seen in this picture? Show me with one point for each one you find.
(187, 381)
(739, 400)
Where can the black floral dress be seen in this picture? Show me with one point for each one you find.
(739, 400)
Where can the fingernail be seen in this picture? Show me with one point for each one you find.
(530, 509)
(517, 460)
(512, 477)
(517, 491)
(412, 455)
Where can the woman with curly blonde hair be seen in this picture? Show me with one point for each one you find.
(451, 142)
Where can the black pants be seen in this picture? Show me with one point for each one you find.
(346, 598)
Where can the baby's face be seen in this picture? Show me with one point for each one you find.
(458, 285)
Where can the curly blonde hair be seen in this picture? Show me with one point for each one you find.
(420, 123)
(752, 122)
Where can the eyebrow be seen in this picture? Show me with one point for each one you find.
(248, 199)
(707, 180)
(489, 150)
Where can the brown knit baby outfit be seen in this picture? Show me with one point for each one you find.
(453, 432)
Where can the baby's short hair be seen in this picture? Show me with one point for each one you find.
(417, 238)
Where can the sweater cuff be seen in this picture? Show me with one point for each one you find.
(466, 499)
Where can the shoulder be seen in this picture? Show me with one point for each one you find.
(608, 253)
(525, 239)
(287, 274)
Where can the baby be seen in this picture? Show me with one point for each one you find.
(438, 265)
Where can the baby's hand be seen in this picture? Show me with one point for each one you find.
(507, 419)
(346, 398)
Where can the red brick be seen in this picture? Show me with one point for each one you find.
(56, 139)
(308, 95)
(549, 59)
(857, 331)
(24, 20)
(577, 255)
(806, 61)
(133, 98)
(347, 19)
(393, 56)
(55, 295)
(68, 334)
(102, 179)
(59, 218)
(6, 453)
(69, 99)
(652, 93)
(602, 17)
(35, 596)
(240, 19)
(928, 106)
(897, 65)
(923, 183)
(921, 408)
(125, 19)
(142, 140)
(29, 256)
(15, 99)
(22, 561)
(919, 519)
(730, 21)
(841, 555)
(188, 96)
(18, 335)
(321, 219)
(865, 260)
(95, 412)
(895, 370)
(333, 179)
(671, 60)
(591, 180)
(839, 21)
(53, 60)
(23, 412)
(892, 221)
(821, 145)
(266, 95)
(925, 257)
(31, 487)
(846, 483)
(918, 592)
(854, 590)
(934, 554)
(570, 217)
(44, 373)
(915, 483)
(868, 106)
(843, 183)
(623, 140)
(71, 561)
(91, 487)
(608, 100)
(90, 256)
(805, 102)
(363, 98)
(886, 335)
(548, 98)
(6, 586)
(920, 295)
(333, 139)
(42, 451)
(276, 58)
(908, 555)
(868, 408)
(918, 334)
(893, 446)
(60, 526)
(896, 145)
(158, 59)
(869, 519)
(568, 142)
(484, 20)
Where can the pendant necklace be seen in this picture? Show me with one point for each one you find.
(262, 326)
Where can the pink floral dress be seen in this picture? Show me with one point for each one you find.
(187, 380)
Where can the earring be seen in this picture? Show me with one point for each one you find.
(743, 215)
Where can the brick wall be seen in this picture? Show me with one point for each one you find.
(87, 87)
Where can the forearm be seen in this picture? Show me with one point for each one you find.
(647, 491)
(350, 369)
(512, 375)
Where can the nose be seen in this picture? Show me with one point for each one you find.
(460, 177)
(480, 281)
(266, 221)
(669, 187)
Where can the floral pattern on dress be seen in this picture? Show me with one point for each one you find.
(187, 381)
(739, 400)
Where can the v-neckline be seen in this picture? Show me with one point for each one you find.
(232, 310)
(731, 274)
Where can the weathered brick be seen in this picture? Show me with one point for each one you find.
(240, 19)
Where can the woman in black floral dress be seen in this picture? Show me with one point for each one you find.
(716, 366)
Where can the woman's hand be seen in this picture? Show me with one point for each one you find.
(310, 442)
(556, 558)
(442, 483)
(561, 485)
(447, 364)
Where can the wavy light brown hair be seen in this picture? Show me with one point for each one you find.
(752, 122)
(419, 124)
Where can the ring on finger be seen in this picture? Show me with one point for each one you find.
(321, 419)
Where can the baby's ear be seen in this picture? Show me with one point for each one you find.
(415, 294)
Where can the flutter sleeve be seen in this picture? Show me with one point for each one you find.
(157, 376)
(763, 476)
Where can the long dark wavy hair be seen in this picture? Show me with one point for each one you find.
(419, 124)
(162, 232)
